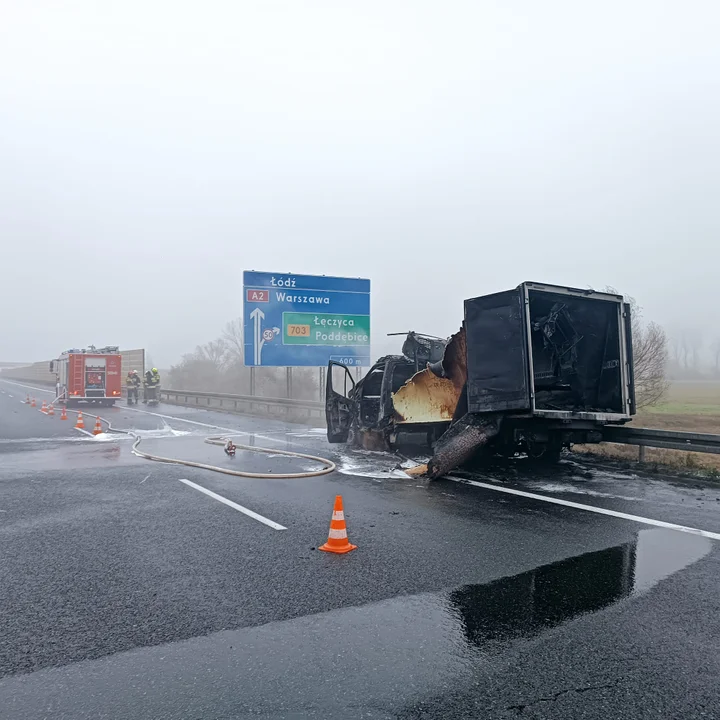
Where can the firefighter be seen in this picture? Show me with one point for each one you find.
(133, 384)
(152, 383)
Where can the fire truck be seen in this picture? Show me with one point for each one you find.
(89, 376)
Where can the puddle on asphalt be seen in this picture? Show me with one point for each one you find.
(532, 602)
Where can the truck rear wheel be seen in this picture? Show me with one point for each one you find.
(548, 452)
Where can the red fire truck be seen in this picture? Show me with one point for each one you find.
(88, 376)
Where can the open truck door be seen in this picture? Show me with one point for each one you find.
(339, 402)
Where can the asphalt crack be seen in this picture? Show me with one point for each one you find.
(519, 709)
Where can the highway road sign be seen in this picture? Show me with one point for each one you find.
(305, 320)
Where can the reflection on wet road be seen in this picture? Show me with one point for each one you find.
(529, 603)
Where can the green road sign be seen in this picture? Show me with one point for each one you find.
(325, 329)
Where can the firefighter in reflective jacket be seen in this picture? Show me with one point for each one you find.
(132, 381)
(152, 384)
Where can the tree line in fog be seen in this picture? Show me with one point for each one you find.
(218, 366)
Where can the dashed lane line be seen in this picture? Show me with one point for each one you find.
(233, 505)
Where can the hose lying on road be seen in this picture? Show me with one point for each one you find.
(329, 465)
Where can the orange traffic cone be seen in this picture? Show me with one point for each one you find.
(32, 404)
(98, 427)
(44, 407)
(63, 414)
(80, 425)
(27, 399)
(337, 541)
(51, 409)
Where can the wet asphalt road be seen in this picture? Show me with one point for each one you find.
(126, 593)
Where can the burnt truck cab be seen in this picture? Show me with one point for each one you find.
(369, 413)
(542, 366)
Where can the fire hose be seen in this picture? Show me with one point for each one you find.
(329, 465)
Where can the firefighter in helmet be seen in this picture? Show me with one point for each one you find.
(132, 381)
(152, 385)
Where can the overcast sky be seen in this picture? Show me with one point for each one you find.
(152, 151)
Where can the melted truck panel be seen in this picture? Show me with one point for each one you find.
(432, 395)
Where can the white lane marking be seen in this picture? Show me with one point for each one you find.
(192, 422)
(235, 506)
(589, 508)
(48, 390)
(82, 430)
(234, 431)
(9, 395)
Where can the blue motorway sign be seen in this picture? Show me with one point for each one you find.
(306, 320)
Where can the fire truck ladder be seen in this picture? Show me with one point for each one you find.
(78, 379)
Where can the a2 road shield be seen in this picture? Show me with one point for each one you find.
(339, 405)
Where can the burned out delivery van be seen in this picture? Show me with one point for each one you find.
(532, 370)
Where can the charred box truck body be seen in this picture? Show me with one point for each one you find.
(532, 369)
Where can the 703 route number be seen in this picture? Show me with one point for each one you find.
(298, 330)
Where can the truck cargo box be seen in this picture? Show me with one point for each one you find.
(551, 352)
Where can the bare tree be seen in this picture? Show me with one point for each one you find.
(695, 344)
(684, 349)
(650, 356)
(215, 352)
(234, 339)
(676, 351)
(689, 351)
(195, 371)
(202, 369)
(715, 347)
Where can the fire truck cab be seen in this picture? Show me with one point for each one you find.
(88, 376)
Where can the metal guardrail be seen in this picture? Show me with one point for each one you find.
(666, 439)
(285, 407)
(282, 407)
